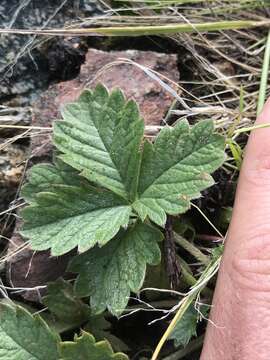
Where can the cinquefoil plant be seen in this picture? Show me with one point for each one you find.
(109, 192)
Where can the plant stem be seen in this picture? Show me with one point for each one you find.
(193, 250)
(251, 128)
(145, 30)
(180, 312)
(172, 266)
(264, 76)
(190, 280)
(190, 348)
(169, 115)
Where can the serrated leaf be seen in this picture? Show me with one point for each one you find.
(63, 303)
(110, 273)
(67, 216)
(176, 168)
(25, 337)
(186, 328)
(54, 324)
(86, 348)
(100, 136)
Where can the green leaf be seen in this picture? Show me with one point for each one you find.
(54, 324)
(108, 274)
(176, 168)
(42, 177)
(68, 312)
(25, 337)
(63, 303)
(186, 328)
(66, 216)
(86, 348)
(101, 136)
(100, 328)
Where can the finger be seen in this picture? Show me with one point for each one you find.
(259, 141)
(240, 314)
(251, 213)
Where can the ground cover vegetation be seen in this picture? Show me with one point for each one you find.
(141, 218)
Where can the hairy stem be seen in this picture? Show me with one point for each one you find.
(172, 266)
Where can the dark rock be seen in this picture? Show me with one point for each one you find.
(65, 57)
(33, 270)
(27, 63)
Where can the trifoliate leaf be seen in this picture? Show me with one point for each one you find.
(100, 136)
(108, 274)
(67, 216)
(25, 337)
(186, 327)
(86, 348)
(176, 168)
(63, 303)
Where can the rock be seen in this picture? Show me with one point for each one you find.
(12, 164)
(12, 117)
(27, 62)
(28, 270)
(153, 100)
(33, 270)
(12, 160)
(101, 66)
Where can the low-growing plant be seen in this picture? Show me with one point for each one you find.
(107, 195)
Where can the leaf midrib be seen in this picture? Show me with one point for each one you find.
(105, 146)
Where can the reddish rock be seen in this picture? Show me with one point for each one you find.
(101, 66)
(29, 270)
(105, 67)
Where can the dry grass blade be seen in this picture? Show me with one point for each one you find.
(187, 300)
(145, 30)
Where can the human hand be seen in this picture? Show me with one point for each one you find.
(240, 318)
